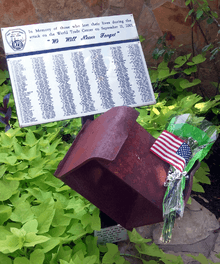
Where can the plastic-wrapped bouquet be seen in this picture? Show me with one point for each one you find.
(186, 139)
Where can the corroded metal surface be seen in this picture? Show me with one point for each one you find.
(111, 165)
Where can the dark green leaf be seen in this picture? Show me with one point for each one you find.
(209, 20)
(199, 13)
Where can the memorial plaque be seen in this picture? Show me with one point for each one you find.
(70, 69)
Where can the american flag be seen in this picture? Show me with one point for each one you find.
(172, 149)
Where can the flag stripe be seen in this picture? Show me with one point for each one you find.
(172, 136)
(168, 143)
(166, 146)
(170, 154)
(167, 160)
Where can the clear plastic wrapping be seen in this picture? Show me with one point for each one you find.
(200, 135)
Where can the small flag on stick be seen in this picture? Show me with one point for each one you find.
(172, 149)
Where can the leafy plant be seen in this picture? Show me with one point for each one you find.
(6, 111)
(161, 49)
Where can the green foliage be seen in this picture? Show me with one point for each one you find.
(161, 49)
(202, 259)
(141, 38)
(201, 177)
(38, 213)
(200, 10)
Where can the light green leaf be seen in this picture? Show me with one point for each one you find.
(40, 195)
(4, 259)
(205, 106)
(22, 213)
(196, 60)
(92, 248)
(112, 254)
(66, 262)
(62, 198)
(10, 244)
(154, 109)
(201, 176)
(89, 260)
(190, 70)
(50, 244)
(21, 260)
(37, 257)
(4, 232)
(50, 149)
(76, 237)
(80, 246)
(76, 228)
(18, 176)
(31, 226)
(79, 212)
(186, 84)
(30, 153)
(77, 259)
(141, 38)
(53, 181)
(5, 158)
(150, 250)
(201, 258)
(6, 141)
(64, 253)
(181, 60)
(187, 102)
(136, 238)
(3, 169)
(18, 232)
(45, 214)
(187, 2)
(11, 160)
(18, 149)
(57, 231)
(86, 220)
(2, 76)
(197, 187)
(189, 201)
(35, 172)
(60, 219)
(32, 239)
(30, 139)
(5, 213)
(7, 188)
(13, 132)
(149, 262)
(96, 221)
(63, 188)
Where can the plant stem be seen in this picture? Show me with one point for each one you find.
(193, 15)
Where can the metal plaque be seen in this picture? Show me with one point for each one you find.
(70, 69)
